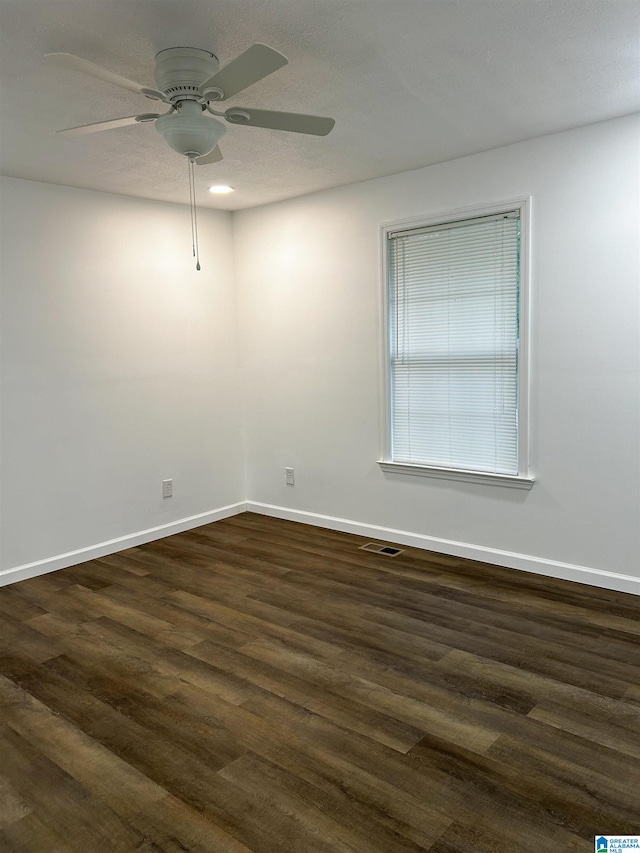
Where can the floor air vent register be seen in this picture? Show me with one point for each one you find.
(387, 550)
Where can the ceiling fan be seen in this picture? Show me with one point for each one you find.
(189, 81)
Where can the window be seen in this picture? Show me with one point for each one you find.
(456, 371)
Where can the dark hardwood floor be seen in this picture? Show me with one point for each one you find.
(260, 685)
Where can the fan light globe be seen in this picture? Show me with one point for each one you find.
(189, 131)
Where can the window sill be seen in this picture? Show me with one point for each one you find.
(510, 480)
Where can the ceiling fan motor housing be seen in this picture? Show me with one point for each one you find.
(181, 70)
(179, 73)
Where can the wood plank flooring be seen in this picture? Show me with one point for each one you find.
(259, 685)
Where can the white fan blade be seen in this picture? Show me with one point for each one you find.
(212, 157)
(107, 125)
(255, 63)
(294, 122)
(75, 63)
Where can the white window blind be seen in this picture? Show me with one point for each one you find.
(454, 335)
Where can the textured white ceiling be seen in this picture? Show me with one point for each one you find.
(409, 82)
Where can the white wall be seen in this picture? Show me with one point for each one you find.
(308, 279)
(120, 362)
(119, 367)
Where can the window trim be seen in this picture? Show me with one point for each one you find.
(524, 479)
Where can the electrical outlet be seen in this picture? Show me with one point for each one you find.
(289, 477)
(167, 488)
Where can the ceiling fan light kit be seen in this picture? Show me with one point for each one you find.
(189, 131)
(189, 80)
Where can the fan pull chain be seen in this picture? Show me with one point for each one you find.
(193, 239)
(192, 206)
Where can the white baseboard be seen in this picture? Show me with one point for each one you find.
(508, 559)
(72, 558)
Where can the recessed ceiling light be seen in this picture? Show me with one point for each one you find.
(221, 189)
